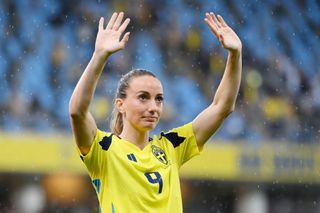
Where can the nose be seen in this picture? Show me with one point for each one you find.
(154, 107)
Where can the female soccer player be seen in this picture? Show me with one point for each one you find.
(130, 171)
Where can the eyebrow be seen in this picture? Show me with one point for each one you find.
(143, 91)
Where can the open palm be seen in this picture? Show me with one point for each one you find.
(108, 39)
(227, 37)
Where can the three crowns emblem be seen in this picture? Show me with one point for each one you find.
(159, 154)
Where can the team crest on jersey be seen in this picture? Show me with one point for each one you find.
(159, 154)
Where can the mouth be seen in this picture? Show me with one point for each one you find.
(150, 118)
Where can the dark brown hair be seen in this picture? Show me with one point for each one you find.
(116, 123)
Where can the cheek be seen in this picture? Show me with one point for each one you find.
(134, 108)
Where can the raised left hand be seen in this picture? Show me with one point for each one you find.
(227, 37)
(108, 38)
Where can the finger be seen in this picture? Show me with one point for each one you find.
(215, 20)
(124, 25)
(112, 20)
(210, 19)
(125, 39)
(223, 23)
(212, 26)
(214, 23)
(118, 21)
(101, 23)
(211, 22)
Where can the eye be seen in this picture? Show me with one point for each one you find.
(159, 99)
(142, 97)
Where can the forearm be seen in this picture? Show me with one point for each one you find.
(85, 88)
(228, 89)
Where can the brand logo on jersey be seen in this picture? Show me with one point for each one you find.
(132, 157)
(159, 154)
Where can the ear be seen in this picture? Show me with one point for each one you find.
(119, 105)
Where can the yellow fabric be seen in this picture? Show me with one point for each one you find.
(128, 179)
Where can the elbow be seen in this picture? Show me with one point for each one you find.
(228, 111)
(74, 111)
(231, 109)
(73, 114)
(225, 111)
(225, 106)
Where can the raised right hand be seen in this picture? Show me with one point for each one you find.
(227, 37)
(108, 39)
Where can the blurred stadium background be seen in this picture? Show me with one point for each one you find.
(263, 159)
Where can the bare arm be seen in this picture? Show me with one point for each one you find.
(209, 120)
(107, 42)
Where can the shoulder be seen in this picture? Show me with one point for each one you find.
(178, 135)
(104, 139)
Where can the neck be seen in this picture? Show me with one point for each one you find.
(139, 138)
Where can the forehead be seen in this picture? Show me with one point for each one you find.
(145, 83)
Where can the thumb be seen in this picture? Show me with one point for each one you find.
(125, 39)
(222, 41)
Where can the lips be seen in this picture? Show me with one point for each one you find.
(150, 118)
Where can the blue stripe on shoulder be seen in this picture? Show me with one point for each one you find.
(106, 142)
(113, 209)
(97, 184)
(174, 138)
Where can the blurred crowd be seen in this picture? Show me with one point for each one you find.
(45, 46)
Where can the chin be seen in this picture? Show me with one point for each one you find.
(149, 126)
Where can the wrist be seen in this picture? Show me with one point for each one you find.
(101, 55)
(235, 52)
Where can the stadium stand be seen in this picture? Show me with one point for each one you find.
(45, 46)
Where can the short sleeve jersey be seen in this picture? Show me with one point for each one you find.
(128, 179)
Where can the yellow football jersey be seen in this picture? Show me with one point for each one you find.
(128, 179)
